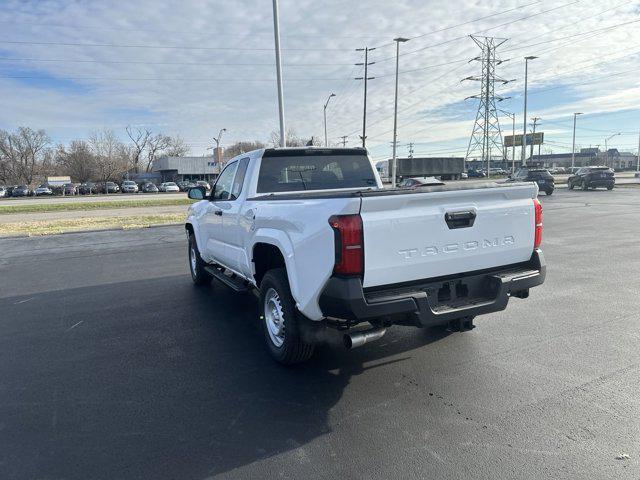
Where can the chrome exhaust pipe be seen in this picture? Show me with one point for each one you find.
(354, 340)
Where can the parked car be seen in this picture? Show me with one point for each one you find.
(21, 191)
(111, 187)
(10, 189)
(185, 185)
(168, 187)
(592, 177)
(149, 188)
(69, 189)
(3, 191)
(87, 188)
(43, 190)
(540, 176)
(318, 236)
(464, 175)
(202, 183)
(475, 173)
(417, 182)
(129, 186)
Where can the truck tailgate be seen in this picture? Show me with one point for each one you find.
(417, 236)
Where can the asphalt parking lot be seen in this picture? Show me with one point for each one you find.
(113, 366)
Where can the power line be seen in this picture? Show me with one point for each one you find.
(135, 62)
(171, 47)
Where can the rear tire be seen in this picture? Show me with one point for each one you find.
(585, 186)
(281, 320)
(570, 186)
(549, 192)
(196, 265)
(610, 187)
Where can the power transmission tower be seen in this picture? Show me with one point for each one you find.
(344, 140)
(366, 78)
(486, 134)
(410, 146)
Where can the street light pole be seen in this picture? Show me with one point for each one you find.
(606, 147)
(325, 119)
(573, 148)
(276, 34)
(638, 164)
(394, 167)
(524, 118)
(218, 139)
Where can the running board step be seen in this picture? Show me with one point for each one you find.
(236, 283)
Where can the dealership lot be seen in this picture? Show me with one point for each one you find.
(114, 366)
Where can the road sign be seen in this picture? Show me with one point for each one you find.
(538, 139)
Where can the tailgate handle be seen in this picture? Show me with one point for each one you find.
(463, 219)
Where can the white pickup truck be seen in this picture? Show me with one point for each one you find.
(327, 247)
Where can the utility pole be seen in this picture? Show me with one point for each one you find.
(573, 148)
(524, 118)
(366, 78)
(326, 143)
(533, 136)
(486, 128)
(276, 34)
(398, 41)
(410, 147)
(218, 139)
(344, 140)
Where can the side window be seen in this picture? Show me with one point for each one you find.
(222, 188)
(236, 189)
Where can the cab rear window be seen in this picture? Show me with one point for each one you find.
(314, 172)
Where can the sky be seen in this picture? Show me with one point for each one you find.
(192, 67)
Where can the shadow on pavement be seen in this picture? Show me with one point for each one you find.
(158, 379)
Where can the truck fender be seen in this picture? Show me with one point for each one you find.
(280, 240)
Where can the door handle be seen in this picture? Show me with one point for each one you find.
(462, 219)
(218, 212)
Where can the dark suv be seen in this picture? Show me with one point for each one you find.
(592, 177)
(540, 176)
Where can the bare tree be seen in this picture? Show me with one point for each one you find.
(111, 156)
(23, 154)
(156, 144)
(140, 139)
(77, 160)
(292, 139)
(242, 147)
(177, 147)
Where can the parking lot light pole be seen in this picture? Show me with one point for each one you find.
(606, 147)
(326, 144)
(394, 167)
(638, 164)
(573, 148)
(276, 34)
(524, 122)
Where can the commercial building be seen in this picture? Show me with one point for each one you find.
(589, 156)
(177, 169)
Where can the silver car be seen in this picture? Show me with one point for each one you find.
(129, 186)
(169, 187)
(43, 190)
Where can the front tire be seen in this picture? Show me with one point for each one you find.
(281, 321)
(196, 265)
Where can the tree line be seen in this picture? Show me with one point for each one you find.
(27, 156)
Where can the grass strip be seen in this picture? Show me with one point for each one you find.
(50, 227)
(107, 205)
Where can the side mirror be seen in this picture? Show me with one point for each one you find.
(197, 193)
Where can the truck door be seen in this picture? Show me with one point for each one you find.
(213, 218)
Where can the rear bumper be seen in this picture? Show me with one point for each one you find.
(434, 301)
(601, 182)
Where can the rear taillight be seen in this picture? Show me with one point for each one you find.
(347, 231)
(537, 239)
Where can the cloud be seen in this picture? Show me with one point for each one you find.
(224, 76)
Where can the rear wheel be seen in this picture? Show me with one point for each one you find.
(549, 192)
(281, 321)
(570, 185)
(196, 265)
(610, 187)
(585, 186)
